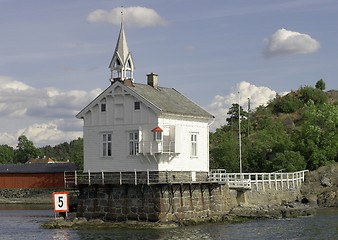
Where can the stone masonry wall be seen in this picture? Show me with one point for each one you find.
(162, 202)
(172, 202)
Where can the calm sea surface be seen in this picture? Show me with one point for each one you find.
(20, 222)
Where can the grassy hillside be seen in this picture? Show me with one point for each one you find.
(293, 132)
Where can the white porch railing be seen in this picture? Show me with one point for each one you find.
(245, 181)
(260, 181)
(151, 147)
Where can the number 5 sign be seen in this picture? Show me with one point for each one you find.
(60, 200)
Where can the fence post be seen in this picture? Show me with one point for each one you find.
(287, 179)
(89, 177)
(75, 176)
(269, 180)
(263, 181)
(135, 177)
(256, 176)
(276, 181)
(148, 176)
(120, 178)
(102, 176)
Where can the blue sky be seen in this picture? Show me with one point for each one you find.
(55, 55)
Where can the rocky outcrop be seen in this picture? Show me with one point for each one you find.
(321, 187)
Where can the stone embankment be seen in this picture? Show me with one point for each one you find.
(320, 188)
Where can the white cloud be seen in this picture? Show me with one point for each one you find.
(48, 114)
(9, 139)
(285, 42)
(10, 84)
(220, 104)
(136, 16)
(48, 134)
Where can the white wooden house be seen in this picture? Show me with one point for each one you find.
(132, 126)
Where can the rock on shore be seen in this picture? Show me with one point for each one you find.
(321, 187)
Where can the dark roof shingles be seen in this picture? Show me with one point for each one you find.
(37, 168)
(170, 101)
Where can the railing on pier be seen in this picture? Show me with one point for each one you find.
(260, 181)
(73, 179)
(245, 181)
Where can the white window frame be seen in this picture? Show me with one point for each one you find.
(158, 136)
(193, 144)
(133, 142)
(107, 144)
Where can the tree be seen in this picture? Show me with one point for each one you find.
(286, 104)
(317, 140)
(289, 161)
(308, 93)
(320, 84)
(76, 152)
(263, 145)
(72, 151)
(234, 114)
(6, 154)
(224, 151)
(25, 150)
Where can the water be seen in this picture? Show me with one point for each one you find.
(20, 222)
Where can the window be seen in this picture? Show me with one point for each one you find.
(193, 140)
(103, 107)
(133, 143)
(137, 105)
(158, 136)
(107, 145)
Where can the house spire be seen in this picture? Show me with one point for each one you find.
(122, 64)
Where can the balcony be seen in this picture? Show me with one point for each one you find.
(155, 147)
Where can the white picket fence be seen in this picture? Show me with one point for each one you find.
(258, 181)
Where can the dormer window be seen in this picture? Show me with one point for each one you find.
(103, 107)
(157, 134)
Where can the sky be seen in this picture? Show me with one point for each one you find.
(55, 55)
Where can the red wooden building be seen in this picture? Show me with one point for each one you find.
(38, 175)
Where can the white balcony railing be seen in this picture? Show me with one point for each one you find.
(151, 147)
(261, 181)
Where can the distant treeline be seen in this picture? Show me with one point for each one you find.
(25, 150)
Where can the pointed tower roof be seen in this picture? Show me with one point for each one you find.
(121, 46)
(121, 65)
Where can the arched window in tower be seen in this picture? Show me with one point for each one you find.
(129, 64)
(117, 63)
(129, 69)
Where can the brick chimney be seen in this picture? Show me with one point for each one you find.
(152, 80)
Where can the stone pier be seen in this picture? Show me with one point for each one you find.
(160, 202)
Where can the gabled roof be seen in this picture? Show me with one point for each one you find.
(169, 101)
(165, 100)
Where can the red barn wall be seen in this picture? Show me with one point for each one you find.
(32, 180)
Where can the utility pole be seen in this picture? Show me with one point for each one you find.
(249, 109)
(239, 134)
